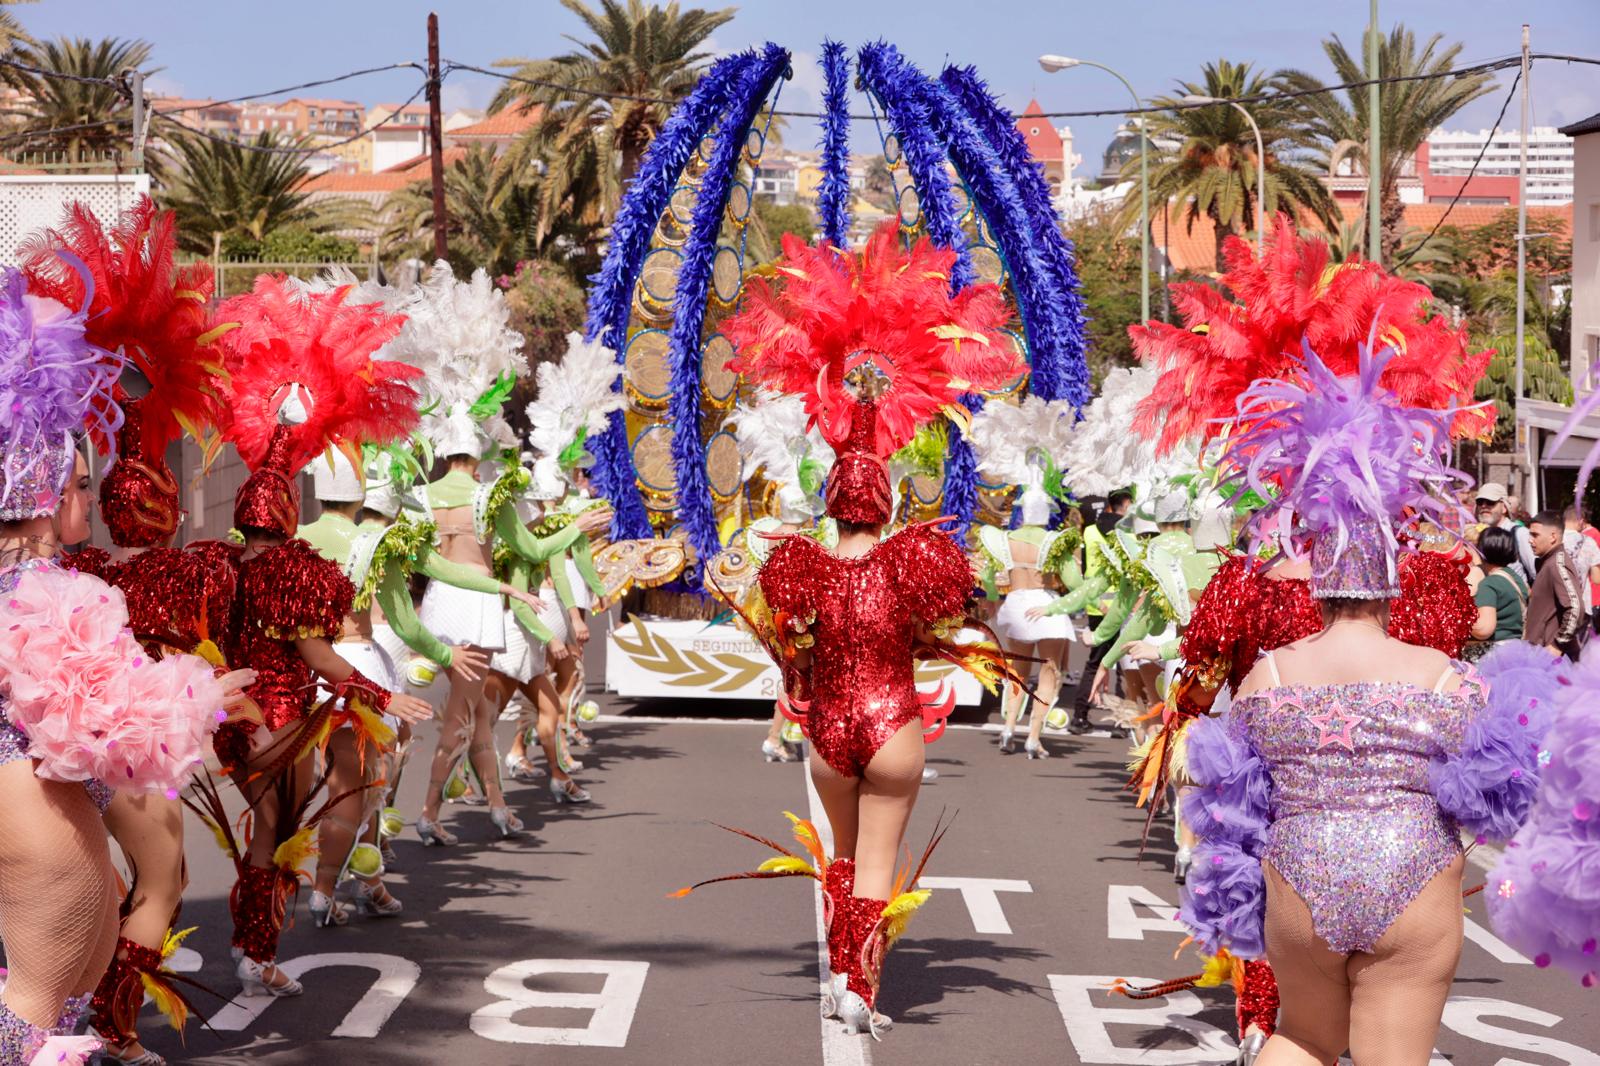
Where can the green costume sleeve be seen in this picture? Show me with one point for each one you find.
(521, 578)
(1071, 574)
(563, 584)
(1117, 613)
(394, 597)
(1137, 627)
(509, 528)
(431, 564)
(1170, 650)
(1093, 587)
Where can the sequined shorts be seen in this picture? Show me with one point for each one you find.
(847, 740)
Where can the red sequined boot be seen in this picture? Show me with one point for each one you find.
(1258, 1006)
(837, 887)
(121, 992)
(256, 924)
(867, 943)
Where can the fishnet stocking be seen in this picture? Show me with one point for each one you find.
(1384, 1006)
(58, 910)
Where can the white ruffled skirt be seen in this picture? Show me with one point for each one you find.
(1012, 622)
(461, 617)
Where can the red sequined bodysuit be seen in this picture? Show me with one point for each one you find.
(862, 614)
(177, 598)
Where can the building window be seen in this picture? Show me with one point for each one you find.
(1033, 131)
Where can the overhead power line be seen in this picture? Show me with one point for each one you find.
(285, 149)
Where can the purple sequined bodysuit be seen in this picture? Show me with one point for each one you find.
(13, 743)
(1355, 831)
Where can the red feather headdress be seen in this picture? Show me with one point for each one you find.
(833, 314)
(318, 349)
(143, 305)
(1291, 298)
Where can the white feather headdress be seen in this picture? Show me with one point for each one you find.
(457, 333)
(775, 442)
(576, 398)
(1007, 434)
(1106, 454)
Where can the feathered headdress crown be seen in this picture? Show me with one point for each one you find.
(458, 334)
(776, 442)
(1105, 454)
(1356, 467)
(1295, 294)
(1025, 444)
(875, 345)
(53, 383)
(575, 401)
(302, 378)
(141, 305)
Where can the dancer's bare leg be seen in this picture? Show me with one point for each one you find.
(840, 795)
(337, 832)
(1050, 653)
(58, 910)
(482, 753)
(1314, 1024)
(1013, 699)
(1398, 992)
(888, 792)
(149, 829)
(547, 725)
(454, 733)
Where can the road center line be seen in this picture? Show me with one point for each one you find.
(839, 1048)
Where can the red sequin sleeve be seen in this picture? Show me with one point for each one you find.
(291, 593)
(176, 599)
(788, 576)
(1435, 608)
(933, 574)
(1220, 640)
(91, 560)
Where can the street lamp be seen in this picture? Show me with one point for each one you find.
(1052, 64)
(1261, 168)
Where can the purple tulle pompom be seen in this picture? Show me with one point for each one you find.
(1544, 894)
(1225, 901)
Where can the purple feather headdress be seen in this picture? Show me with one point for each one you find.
(1356, 469)
(53, 384)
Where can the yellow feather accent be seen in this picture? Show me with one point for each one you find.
(372, 724)
(899, 912)
(174, 940)
(168, 1002)
(292, 853)
(962, 417)
(1218, 969)
(951, 331)
(208, 650)
(786, 864)
(222, 838)
(806, 834)
(211, 336)
(793, 272)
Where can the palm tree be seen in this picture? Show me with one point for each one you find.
(1207, 161)
(1408, 110)
(645, 58)
(221, 189)
(95, 119)
(495, 218)
(11, 31)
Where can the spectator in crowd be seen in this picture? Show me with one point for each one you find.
(1502, 595)
(1582, 541)
(1556, 618)
(1495, 508)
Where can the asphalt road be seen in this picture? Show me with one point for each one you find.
(562, 946)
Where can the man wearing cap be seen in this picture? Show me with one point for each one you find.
(1494, 509)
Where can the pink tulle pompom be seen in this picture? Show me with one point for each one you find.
(91, 702)
(65, 1051)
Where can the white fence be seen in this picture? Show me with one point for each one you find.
(31, 202)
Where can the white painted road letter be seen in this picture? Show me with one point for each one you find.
(979, 894)
(1122, 923)
(1078, 996)
(396, 978)
(613, 1005)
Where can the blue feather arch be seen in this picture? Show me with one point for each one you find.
(997, 204)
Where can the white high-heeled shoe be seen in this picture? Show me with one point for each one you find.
(832, 993)
(1035, 749)
(253, 976)
(568, 791)
(365, 899)
(859, 1018)
(433, 834)
(1005, 742)
(507, 823)
(325, 911)
(776, 751)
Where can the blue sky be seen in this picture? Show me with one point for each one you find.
(229, 49)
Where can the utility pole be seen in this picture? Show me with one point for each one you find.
(1522, 240)
(1374, 144)
(140, 119)
(436, 138)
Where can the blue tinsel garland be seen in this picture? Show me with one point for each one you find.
(695, 507)
(611, 294)
(1053, 249)
(833, 194)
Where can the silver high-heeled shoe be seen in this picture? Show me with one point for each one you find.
(365, 899)
(776, 751)
(1250, 1048)
(433, 834)
(325, 911)
(859, 1018)
(568, 791)
(1005, 742)
(832, 993)
(1035, 749)
(253, 976)
(521, 769)
(1181, 864)
(505, 821)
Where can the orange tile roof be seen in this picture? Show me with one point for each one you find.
(384, 181)
(507, 123)
(1197, 250)
(346, 105)
(417, 166)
